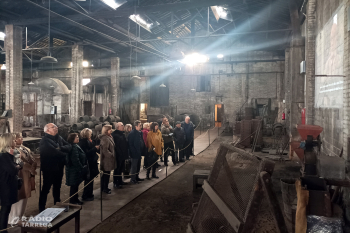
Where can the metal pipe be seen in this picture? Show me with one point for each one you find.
(175, 38)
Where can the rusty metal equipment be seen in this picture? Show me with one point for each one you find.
(238, 184)
(310, 134)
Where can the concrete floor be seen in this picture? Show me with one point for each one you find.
(90, 214)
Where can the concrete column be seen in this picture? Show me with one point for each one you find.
(310, 62)
(76, 82)
(115, 78)
(14, 76)
(297, 87)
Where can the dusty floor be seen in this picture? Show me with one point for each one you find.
(168, 206)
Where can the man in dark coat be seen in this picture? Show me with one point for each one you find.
(188, 127)
(136, 147)
(53, 153)
(121, 153)
(179, 138)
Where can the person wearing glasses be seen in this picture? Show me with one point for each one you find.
(167, 133)
(53, 152)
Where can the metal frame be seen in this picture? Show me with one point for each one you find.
(262, 189)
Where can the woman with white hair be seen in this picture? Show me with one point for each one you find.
(107, 159)
(8, 178)
(128, 128)
(90, 149)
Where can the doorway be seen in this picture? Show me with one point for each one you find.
(87, 108)
(219, 113)
(143, 113)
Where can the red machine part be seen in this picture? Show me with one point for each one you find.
(313, 130)
(303, 116)
(295, 147)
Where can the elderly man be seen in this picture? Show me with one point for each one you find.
(188, 127)
(137, 148)
(53, 152)
(121, 153)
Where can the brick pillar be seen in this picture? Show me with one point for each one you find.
(346, 91)
(76, 83)
(115, 67)
(14, 75)
(310, 62)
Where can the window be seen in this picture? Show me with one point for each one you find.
(159, 96)
(204, 83)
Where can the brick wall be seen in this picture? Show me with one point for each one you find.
(329, 60)
(263, 82)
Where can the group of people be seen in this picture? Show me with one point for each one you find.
(79, 156)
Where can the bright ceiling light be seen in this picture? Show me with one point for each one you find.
(162, 85)
(136, 77)
(114, 3)
(143, 23)
(194, 58)
(3, 67)
(2, 36)
(31, 83)
(86, 81)
(85, 63)
(220, 56)
(221, 12)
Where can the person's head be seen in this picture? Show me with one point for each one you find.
(137, 125)
(107, 130)
(51, 129)
(187, 120)
(73, 138)
(7, 140)
(146, 125)
(165, 121)
(86, 133)
(154, 126)
(119, 126)
(19, 139)
(178, 124)
(128, 127)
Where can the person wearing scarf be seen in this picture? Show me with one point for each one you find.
(155, 148)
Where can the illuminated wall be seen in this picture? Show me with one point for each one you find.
(329, 61)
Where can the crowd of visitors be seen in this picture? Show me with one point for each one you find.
(79, 156)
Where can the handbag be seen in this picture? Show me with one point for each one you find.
(19, 182)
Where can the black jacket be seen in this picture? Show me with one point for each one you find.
(136, 144)
(179, 135)
(76, 160)
(8, 180)
(53, 152)
(91, 155)
(190, 130)
(121, 145)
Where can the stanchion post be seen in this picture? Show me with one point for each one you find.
(101, 195)
(166, 171)
(209, 136)
(40, 180)
(218, 130)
